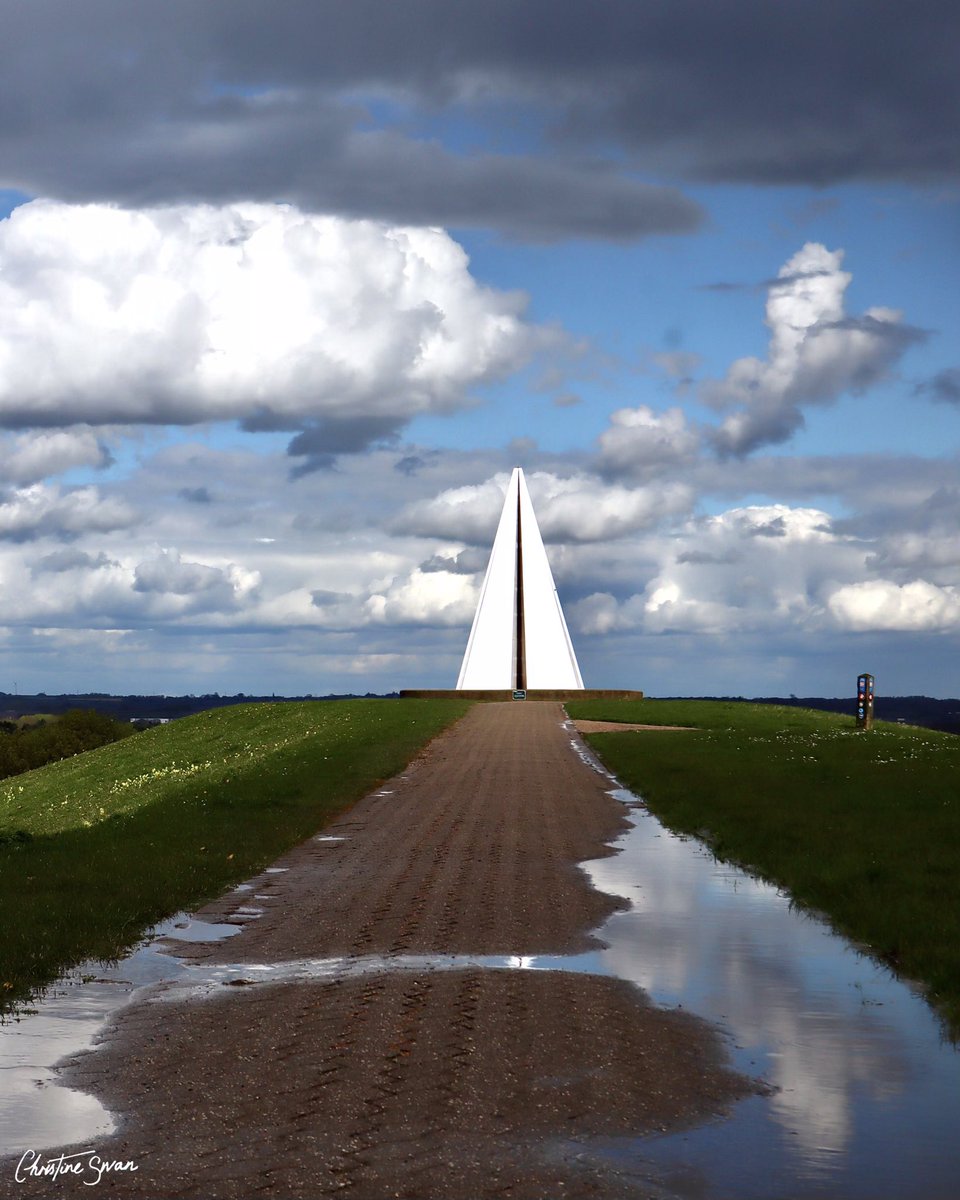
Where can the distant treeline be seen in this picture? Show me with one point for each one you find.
(22, 748)
(912, 710)
(129, 708)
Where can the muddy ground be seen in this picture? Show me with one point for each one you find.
(461, 1084)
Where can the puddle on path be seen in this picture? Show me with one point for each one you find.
(868, 1099)
(35, 1111)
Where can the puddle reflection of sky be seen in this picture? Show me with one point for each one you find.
(868, 1100)
(35, 1111)
(868, 1093)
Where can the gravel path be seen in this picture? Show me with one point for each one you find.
(446, 1083)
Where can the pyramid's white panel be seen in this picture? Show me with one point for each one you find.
(490, 657)
(490, 660)
(550, 660)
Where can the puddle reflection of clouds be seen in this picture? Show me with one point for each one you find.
(828, 1027)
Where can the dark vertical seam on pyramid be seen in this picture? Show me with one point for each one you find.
(521, 677)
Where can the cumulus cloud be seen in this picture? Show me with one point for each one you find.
(817, 352)
(586, 510)
(914, 551)
(468, 514)
(177, 586)
(252, 312)
(577, 509)
(763, 567)
(424, 598)
(661, 609)
(245, 578)
(881, 604)
(44, 510)
(30, 457)
(601, 613)
(912, 537)
(168, 573)
(642, 444)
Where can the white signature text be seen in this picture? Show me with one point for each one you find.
(85, 1165)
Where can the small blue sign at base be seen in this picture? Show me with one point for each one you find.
(520, 694)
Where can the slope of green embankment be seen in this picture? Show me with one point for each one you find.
(862, 826)
(95, 849)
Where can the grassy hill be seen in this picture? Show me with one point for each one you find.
(96, 848)
(863, 827)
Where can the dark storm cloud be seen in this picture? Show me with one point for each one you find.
(944, 386)
(775, 528)
(220, 102)
(704, 558)
(168, 574)
(937, 512)
(321, 443)
(320, 598)
(70, 560)
(865, 482)
(764, 285)
(412, 464)
(467, 562)
(238, 98)
(195, 495)
(814, 92)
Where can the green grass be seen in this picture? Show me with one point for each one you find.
(95, 849)
(861, 826)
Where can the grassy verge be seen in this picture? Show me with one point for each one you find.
(95, 849)
(864, 827)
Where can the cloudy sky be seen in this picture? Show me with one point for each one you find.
(287, 289)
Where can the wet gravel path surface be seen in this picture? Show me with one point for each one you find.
(465, 1083)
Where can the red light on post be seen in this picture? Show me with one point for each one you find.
(865, 701)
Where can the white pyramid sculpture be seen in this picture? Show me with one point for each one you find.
(519, 638)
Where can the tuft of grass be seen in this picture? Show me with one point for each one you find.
(863, 827)
(95, 849)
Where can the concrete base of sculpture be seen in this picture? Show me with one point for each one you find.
(506, 694)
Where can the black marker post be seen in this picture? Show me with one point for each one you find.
(864, 701)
